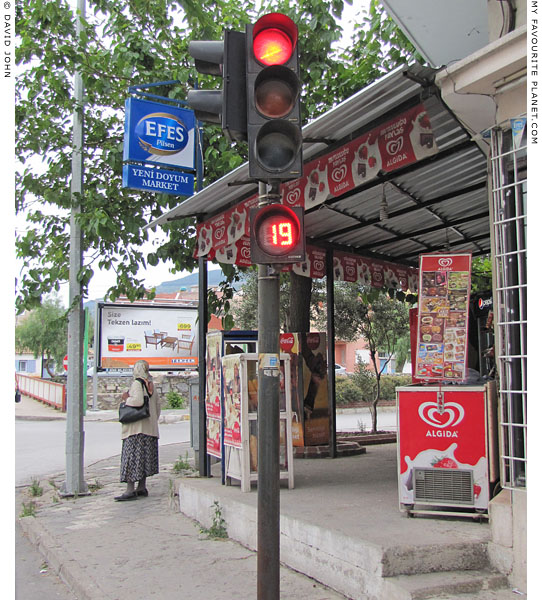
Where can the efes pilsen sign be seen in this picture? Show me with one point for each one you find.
(162, 135)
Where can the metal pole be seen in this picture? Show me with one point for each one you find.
(203, 310)
(330, 301)
(75, 483)
(268, 425)
(95, 370)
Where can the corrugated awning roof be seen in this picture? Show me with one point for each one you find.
(436, 204)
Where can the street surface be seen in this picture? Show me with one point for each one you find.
(40, 446)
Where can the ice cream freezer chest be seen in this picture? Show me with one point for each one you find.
(447, 448)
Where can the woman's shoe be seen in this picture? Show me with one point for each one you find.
(144, 492)
(126, 496)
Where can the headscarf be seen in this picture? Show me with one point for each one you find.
(141, 369)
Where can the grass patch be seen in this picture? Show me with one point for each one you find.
(182, 464)
(28, 510)
(35, 488)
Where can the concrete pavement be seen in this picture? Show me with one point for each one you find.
(149, 549)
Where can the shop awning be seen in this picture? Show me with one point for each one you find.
(435, 201)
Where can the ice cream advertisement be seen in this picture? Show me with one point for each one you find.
(442, 430)
(444, 293)
(164, 336)
(392, 145)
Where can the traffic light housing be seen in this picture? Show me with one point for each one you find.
(273, 99)
(277, 235)
(226, 107)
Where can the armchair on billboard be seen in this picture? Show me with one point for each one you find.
(164, 336)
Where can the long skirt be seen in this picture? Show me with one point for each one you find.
(139, 458)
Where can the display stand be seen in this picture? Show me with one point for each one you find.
(240, 425)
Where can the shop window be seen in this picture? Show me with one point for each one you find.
(509, 191)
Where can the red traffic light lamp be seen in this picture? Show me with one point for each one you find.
(274, 39)
(273, 105)
(277, 235)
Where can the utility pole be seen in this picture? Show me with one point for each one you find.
(75, 437)
(268, 423)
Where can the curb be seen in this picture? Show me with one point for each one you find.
(64, 565)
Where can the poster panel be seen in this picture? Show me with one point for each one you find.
(214, 446)
(231, 373)
(213, 408)
(442, 340)
(164, 336)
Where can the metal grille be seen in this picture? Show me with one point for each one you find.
(446, 486)
(509, 179)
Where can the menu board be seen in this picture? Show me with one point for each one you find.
(442, 339)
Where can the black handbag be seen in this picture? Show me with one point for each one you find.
(131, 414)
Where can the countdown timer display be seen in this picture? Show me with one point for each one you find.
(277, 234)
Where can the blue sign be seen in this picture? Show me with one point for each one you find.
(159, 133)
(152, 179)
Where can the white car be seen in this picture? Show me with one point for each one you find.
(340, 370)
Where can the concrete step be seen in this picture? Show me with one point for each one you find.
(412, 560)
(451, 585)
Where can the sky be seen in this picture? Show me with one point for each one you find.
(152, 276)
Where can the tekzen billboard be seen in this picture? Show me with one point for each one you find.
(156, 136)
(164, 336)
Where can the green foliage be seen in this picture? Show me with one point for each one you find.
(182, 464)
(124, 44)
(347, 393)
(44, 331)
(35, 488)
(175, 400)
(481, 274)
(28, 510)
(218, 528)
(388, 383)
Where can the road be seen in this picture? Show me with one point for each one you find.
(40, 446)
(386, 419)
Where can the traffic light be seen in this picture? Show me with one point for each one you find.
(226, 107)
(273, 104)
(277, 235)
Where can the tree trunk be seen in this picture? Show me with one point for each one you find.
(300, 299)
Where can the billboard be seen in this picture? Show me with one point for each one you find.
(164, 336)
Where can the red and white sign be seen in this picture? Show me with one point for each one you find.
(442, 432)
(65, 363)
(442, 340)
(394, 144)
(399, 142)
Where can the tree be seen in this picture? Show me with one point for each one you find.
(382, 321)
(133, 43)
(44, 332)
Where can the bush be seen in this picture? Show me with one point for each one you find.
(360, 387)
(388, 383)
(175, 400)
(347, 392)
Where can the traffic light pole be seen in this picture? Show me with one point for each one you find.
(268, 423)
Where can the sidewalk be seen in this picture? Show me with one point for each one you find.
(34, 410)
(148, 549)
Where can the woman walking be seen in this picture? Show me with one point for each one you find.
(139, 458)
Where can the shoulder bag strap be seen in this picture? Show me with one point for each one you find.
(146, 389)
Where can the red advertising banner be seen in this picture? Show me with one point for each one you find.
(442, 341)
(442, 429)
(394, 144)
(399, 142)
